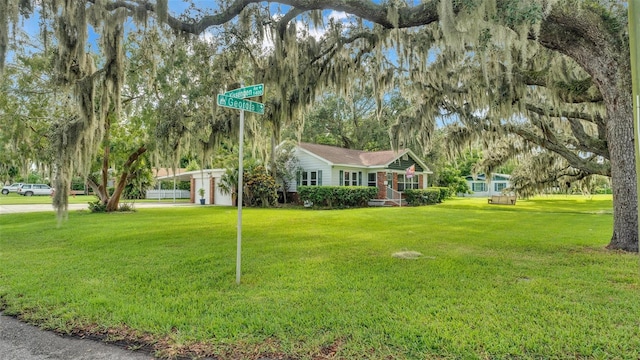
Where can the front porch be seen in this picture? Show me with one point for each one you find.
(391, 185)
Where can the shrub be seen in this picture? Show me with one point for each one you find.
(430, 196)
(260, 188)
(337, 196)
(97, 206)
(126, 207)
(446, 192)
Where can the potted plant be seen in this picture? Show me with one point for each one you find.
(201, 193)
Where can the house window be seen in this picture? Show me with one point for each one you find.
(499, 186)
(372, 179)
(405, 183)
(350, 178)
(478, 187)
(310, 178)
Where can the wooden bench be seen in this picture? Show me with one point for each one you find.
(502, 200)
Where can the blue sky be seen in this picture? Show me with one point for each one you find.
(31, 25)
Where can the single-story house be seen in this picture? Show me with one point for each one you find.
(207, 179)
(392, 172)
(479, 185)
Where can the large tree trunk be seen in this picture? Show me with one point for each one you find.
(623, 176)
(114, 200)
(600, 54)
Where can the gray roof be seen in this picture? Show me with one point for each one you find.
(342, 156)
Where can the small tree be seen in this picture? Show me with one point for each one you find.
(286, 166)
(451, 177)
(229, 184)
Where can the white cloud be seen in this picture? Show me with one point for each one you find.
(317, 32)
(337, 15)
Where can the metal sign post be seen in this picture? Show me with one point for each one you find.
(240, 175)
(234, 99)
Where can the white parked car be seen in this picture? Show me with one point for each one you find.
(11, 188)
(35, 189)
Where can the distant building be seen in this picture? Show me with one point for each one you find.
(499, 184)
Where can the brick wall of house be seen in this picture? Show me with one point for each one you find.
(420, 181)
(395, 181)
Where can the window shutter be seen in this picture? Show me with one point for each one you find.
(319, 177)
(341, 177)
(298, 177)
(359, 178)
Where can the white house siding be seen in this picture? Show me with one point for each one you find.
(220, 198)
(203, 181)
(335, 174)
(312, 163)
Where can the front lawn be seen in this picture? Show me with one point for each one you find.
(529, 281)
(15, 199)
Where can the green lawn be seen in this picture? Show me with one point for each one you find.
(15, 199)
(531, 281)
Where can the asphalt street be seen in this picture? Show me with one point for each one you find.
(20, 341)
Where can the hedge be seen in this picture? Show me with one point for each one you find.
(430, 196)
(337, 196)
(446, 192)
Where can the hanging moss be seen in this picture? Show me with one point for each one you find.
(162, 10)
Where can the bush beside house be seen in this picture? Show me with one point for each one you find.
(430, 196)
(337, 196)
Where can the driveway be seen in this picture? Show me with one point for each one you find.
(19, 341)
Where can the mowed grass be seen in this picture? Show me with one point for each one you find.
(15, 199)
(525, 281)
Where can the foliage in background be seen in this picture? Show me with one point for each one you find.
(451, 177)
(28, 107)
(139, 180)
(347, 121)
(180, 185)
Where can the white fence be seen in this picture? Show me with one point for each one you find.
(168, 194)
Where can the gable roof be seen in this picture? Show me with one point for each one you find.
(340, 156)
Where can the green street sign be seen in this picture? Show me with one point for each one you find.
(240, 104)
(247, 91)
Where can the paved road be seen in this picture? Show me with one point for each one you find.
(12, 209)
(19, 341)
